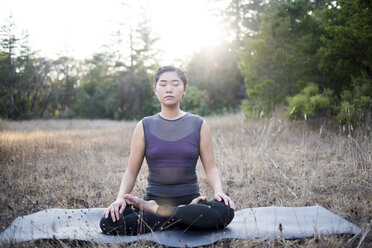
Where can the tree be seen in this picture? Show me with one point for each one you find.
(146, 41)
(135, 98)
(26, 90)
(67, 73)
(244, 17)
(8, 74)
(194, 102)
(346, 50)
(97, 92)
(215, 72)
(281, 57)
(120, 89)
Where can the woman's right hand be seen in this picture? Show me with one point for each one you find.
(115, 209)
(199, 200)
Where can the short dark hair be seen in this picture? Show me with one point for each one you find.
(171, 68)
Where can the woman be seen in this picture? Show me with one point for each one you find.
(172, 142)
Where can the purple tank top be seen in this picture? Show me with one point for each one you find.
(172, 151)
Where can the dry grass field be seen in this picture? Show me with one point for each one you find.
(79, 164)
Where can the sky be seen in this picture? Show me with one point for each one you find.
(79, 28)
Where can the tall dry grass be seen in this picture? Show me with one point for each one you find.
(79, 164)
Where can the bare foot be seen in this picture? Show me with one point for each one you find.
(147, 206)
(199, 200)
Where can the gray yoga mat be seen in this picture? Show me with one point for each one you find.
(263, 223)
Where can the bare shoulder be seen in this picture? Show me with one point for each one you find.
(139, 124)
(205, 134)
(204, 128)
(138, 131)
(206, 146)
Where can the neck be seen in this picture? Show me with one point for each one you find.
(171, 113)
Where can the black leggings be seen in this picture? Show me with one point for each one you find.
(212, 215)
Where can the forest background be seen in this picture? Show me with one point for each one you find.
(314, 57)
(308, 60)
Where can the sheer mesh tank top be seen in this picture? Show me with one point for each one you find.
(172, 151)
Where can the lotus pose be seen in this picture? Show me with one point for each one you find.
(172, 142)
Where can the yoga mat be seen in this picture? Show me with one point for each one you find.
(249, 223)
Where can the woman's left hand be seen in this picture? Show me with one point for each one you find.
(219, 196)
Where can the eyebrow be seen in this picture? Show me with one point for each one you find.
(173, 80)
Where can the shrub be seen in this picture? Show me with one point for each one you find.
(346, 114)
(263, 99)
(363, 92)
(194, 102)
(356, 104)
(250, 110)
(309, 103)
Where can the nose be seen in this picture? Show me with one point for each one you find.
(169, 88)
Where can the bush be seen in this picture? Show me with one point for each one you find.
(363, 92)
(309, 103)
(356, 104)
(194, 102)
(346, 114)
(250, 110)
(263, 99)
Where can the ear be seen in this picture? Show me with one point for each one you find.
(185, 90)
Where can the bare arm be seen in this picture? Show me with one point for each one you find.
(128, 180)
(209, 164)
(137, 152)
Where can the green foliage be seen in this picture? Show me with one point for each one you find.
(325, 42)
(356, 104)
(264, 98)
(97, 92)
(308, 103)
(104, 86)
(346, 113)
(346, 57)
(276, 48)
(135, 97)
(278, 60)
(250, 110)
(214, 71)
(243, 15)
(194, 102)
(114, 95)
(346, 50)
(363, 91)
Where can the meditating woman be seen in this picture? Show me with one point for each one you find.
(172, 142)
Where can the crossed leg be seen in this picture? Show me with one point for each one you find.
(132, 222)
(148, 216)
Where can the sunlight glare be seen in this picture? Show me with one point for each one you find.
(184, 27)
(82, 28)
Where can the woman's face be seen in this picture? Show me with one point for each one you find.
(169, 89)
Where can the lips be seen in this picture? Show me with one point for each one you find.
(169, 97)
